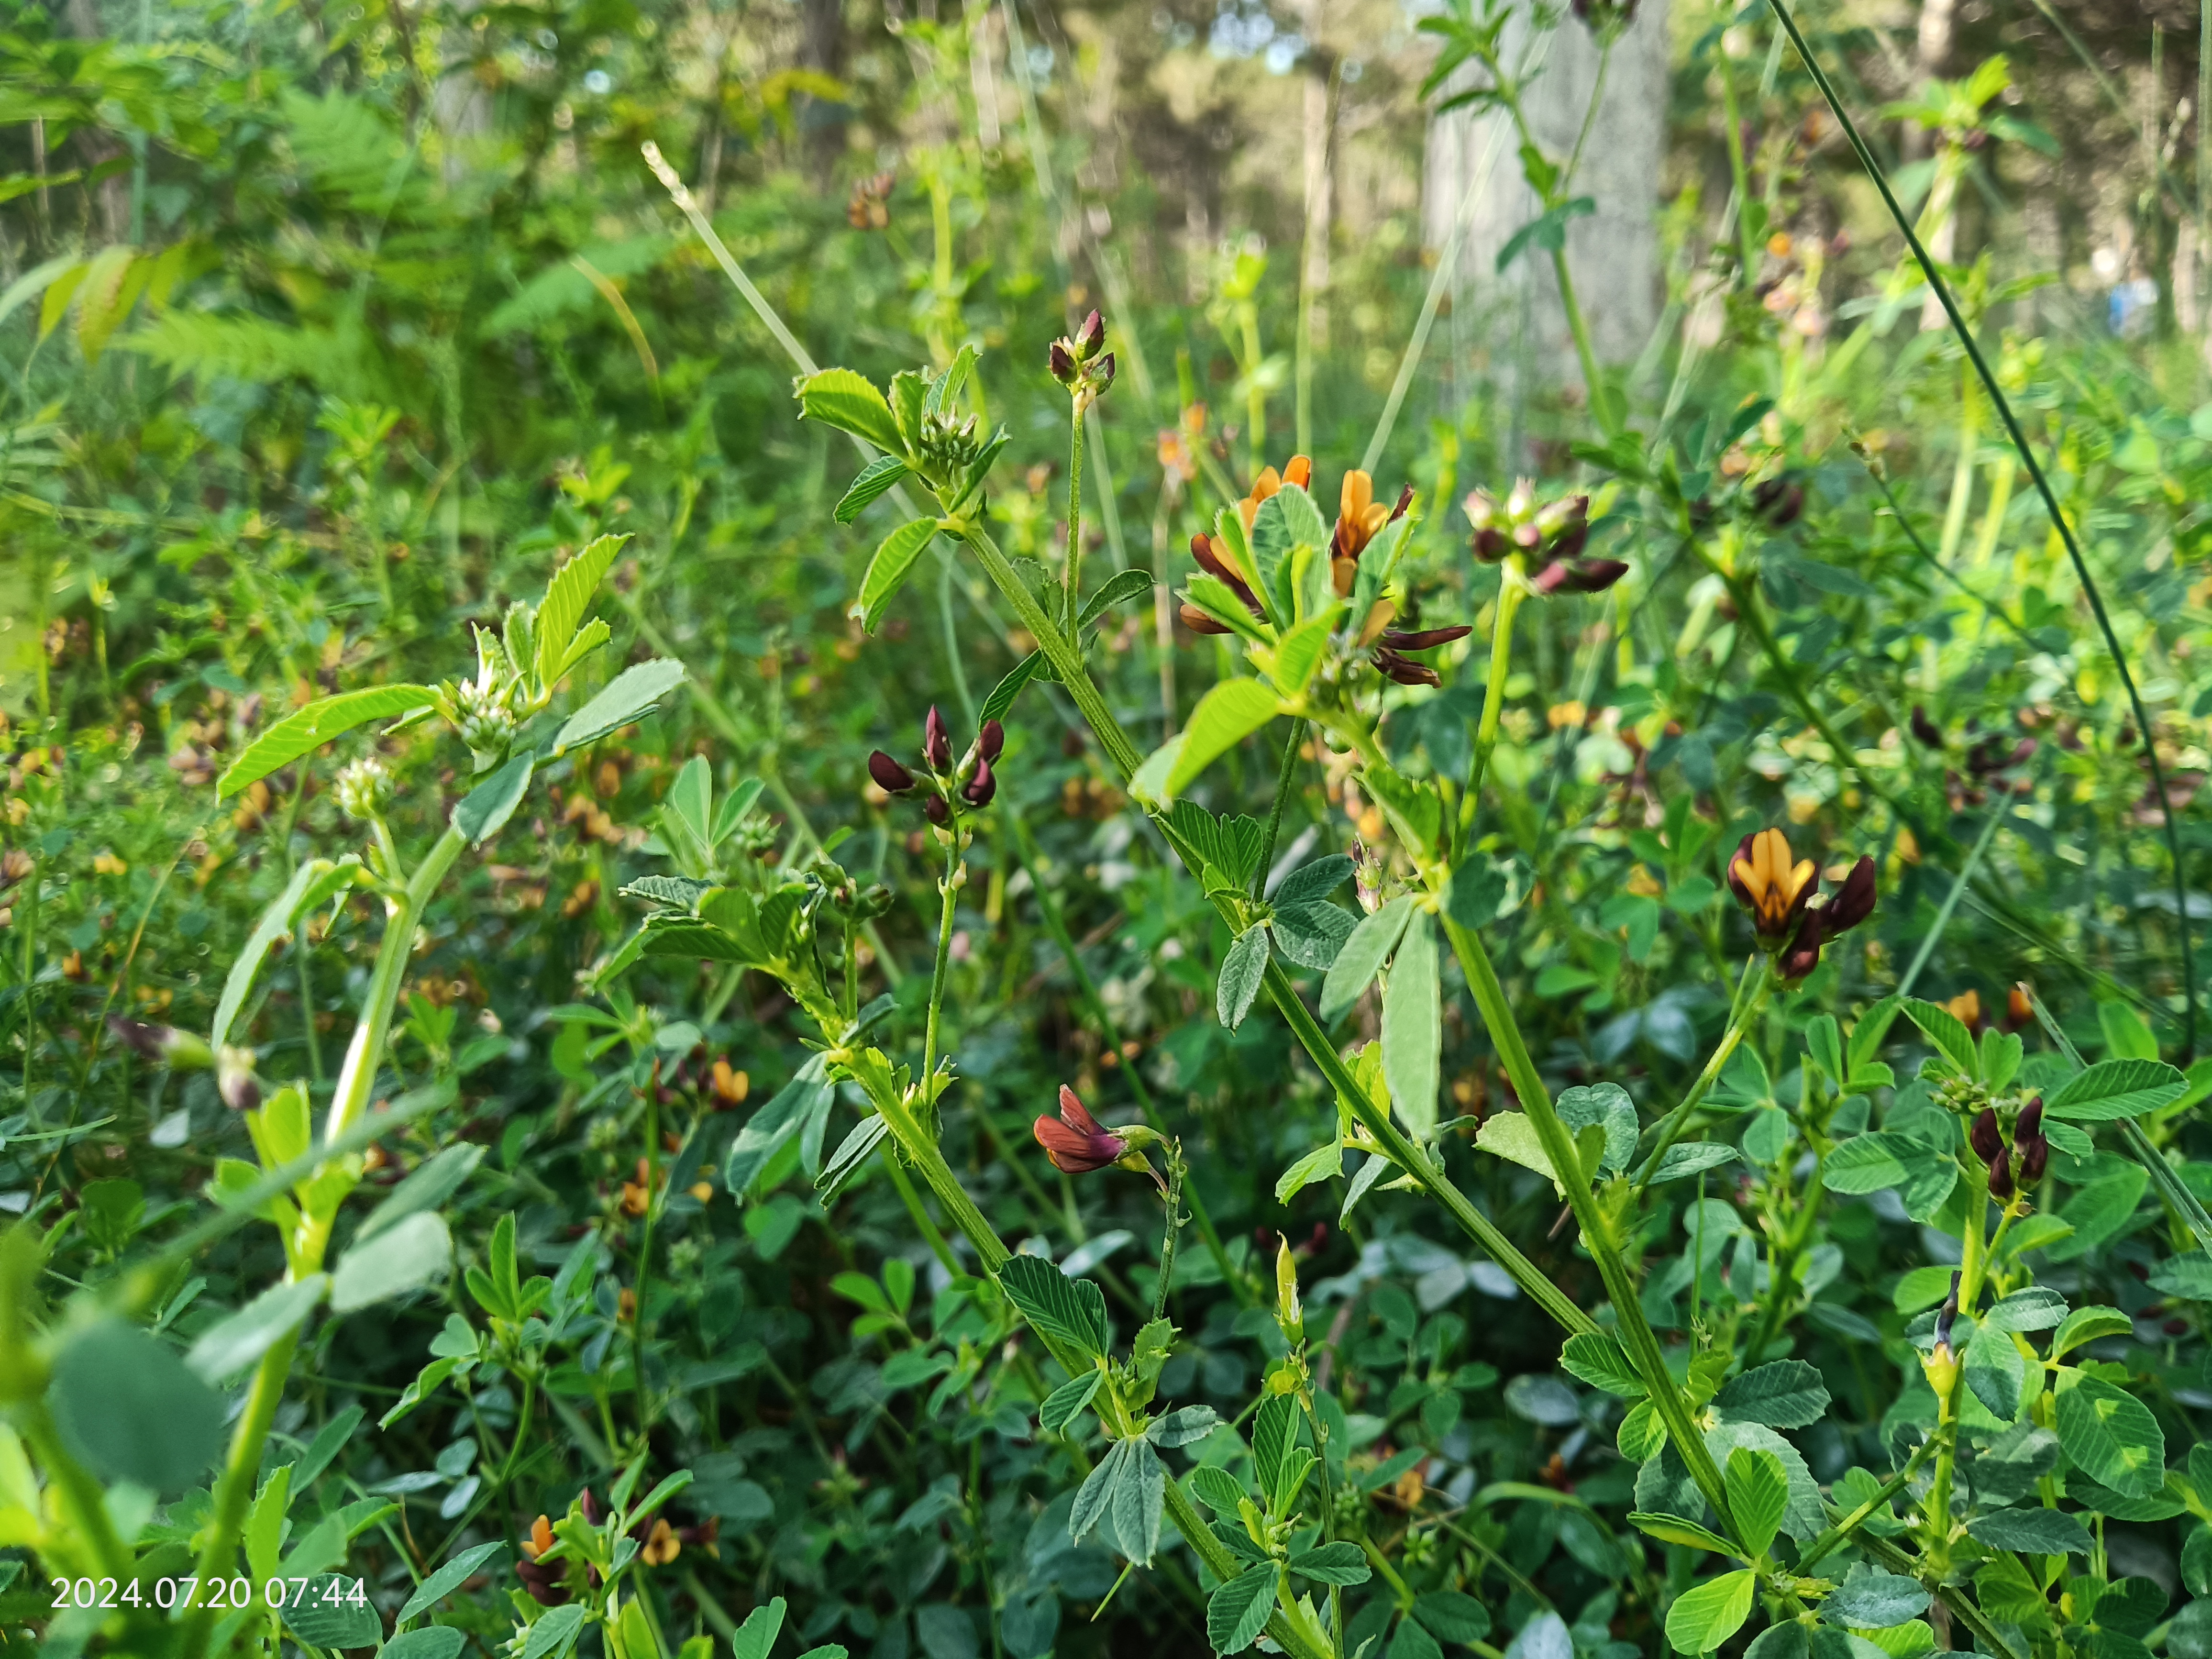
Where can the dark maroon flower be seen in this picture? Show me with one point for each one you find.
(1091, 335)
(1061, 361)
(1803, 954)
(2034, 1156)
(1404, 670)
(592, 1513)
(1984, 1139)
(937, 811)
(1780, 502)
(990, 740)
(1925, 729)
(890, 777)
(2001, 1186)
(1426, 639)
(1075, 1142)
(979, 789)
(936, 741)
(2029, 1125)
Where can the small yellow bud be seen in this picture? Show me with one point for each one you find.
(1290, 1314)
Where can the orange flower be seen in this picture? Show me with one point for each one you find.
(1768, 884)
(1360, 520)
(540, 1538)
(638, 1194)
(731, 1087)
(1298, 470)
(1967, 1007)
(661, 1546)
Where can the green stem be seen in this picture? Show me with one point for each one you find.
(1741, 1015)
(1833, 1540)
(1071, 606)
(1511, 591)
(1175, 1173)
(1738, 173)
(357, 1077)
(949, 887)
(1285, 781)
(2058, 519)
(1997, 814)
(1601, 396)
(233, 1491)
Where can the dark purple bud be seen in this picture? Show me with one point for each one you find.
(1852, 902)
(1984, 1139)
(1061, 361)
(592, 1513)
(1491, 545)
(1780, 502)
(2034, 1156)
(1925, 729)
(1570, 542)
(1578, 576)
(1948, 1314)
(937, 811)
(890, 777)
(2029, 1125)
(936, 742)
(979, 789)
(543, 1584)
(2001, 1186)
(990, 740)
(1201, 549)
(1101, 372)
(1427, 639)
(1091, 335)
(1803, 954)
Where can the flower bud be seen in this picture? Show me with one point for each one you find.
(1803, 954)
(2029, 1125)
(890, 777)
(1404, 670)
(166, 1045)
(1089, 336)
(1423, 640)
(1579, 575)
(979, 789)
(1061, 361)
(1780, 502)
(2034, 1158)
(1290, 1313)
(1076, 1142)
(234, 1079)
(937, 811)
(1988, 1144)
(2001, 1186)
(936, 742)
(1852, 902)
(363, 788)
(1947, 1316)
(990, 740)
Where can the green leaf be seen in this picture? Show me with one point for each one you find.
(484, 811)
(1673, 1529)
(1274, 1434)
(758, 1633)
(1237, 1612)
(2032, 1308)
(839, 397)
(1786, 1394)
(2187, 1276)
(1363, 955)
(1070, 1310)
(1868, 1163)
(432, 1641)
(1137, 1500)
(405, 1257)
(1694, 1159)
(1413, 1028)
(1286, 520)
(1512, 1136)
(1231, 712)
(555, 1632)
(226, 1349)
(1333, 1563)
(311, 884)
(1599, 1360)
(324, 1614)
(307, 729)
(880, 474)
(2115, 1088)
(2031, 1532)
(1180, 1428)
(1875, 1600)
(1300, 652)
(1709, 1612)
(1242, 971)
(2112, 1436)
(2125, 1033)
(1547, 231)
(1125, 586)
(1218, 1489)
(2087, 1325)
(1945, 1029)
(630, 696)
(1324, 1163)
(1757, 1495)
(1995, 1373)
(1061, 1405)
(567, 598)
(1312, 934)
(132, 1410)
(887, 570)
(1606, 1106)
(1218, 600)
(1452, 1616)
(448, 1578)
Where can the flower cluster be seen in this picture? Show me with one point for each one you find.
(1789, 913)
(1360, 520)
(972, 781)
(1548, 537)
(2026, 1157)
(659, 1541)
(1078, 363)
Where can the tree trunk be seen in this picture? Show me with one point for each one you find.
(1513, 322)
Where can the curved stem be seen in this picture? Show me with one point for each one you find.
(1744, 1011)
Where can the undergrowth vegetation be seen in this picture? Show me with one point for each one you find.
(752, 906)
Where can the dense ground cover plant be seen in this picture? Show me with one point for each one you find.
(1571, 1052)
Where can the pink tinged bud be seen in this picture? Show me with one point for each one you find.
(1091, 335)
(1987, 1142)
(1480, 508)
(1579, 575)
(234, 1080)
(165, 1045)
(937, 811)
(890, 777)
(1075, 1142)
(2034, 1157)
(979, 789)
(1803, 954)
(990, 740)
(1101, 372)
(2030, 1124)
(1061, 361)
(1527, 537)
(936, 741)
